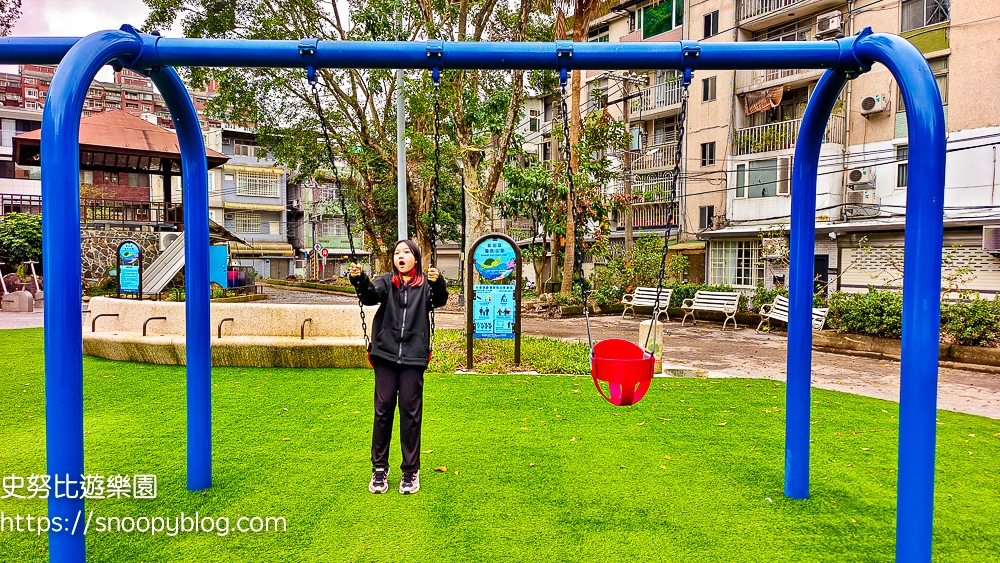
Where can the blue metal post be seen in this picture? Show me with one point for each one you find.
(922, 294)
(196, 277)
(800, 282)
(60, 245)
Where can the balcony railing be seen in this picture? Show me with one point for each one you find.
(657, 96)
(646, 188)
(781, 135)
(107, 211)
(754, 78)
(113, 211)
(653, 157)
(747, 9)
(654, 214)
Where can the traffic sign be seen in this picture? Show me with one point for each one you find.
(317, 247)
(325, 252)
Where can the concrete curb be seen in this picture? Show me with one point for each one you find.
(871, 346)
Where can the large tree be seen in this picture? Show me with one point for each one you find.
(10, 11)
(479, 109)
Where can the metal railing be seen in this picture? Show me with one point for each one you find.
(102, 210)
(746, 9)
(655, 214)
(657, 96)
(751, 78)
(114, 211)
(781, 135)
(654, 156)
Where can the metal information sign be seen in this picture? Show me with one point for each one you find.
(493, 296)
(129, 269)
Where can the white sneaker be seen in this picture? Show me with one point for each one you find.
(410, 483)
(379, 483)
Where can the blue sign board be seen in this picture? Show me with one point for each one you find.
(129, 264)
(495, 259)
(493, 311)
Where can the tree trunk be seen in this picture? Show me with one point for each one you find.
(569, 262)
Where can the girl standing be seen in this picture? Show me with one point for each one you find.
(400, 351)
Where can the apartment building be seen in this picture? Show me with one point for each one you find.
(248, 197)
(130, 91)
(861, 190)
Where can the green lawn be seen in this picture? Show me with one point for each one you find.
(686, 475)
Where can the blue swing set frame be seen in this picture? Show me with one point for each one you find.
(845, 58)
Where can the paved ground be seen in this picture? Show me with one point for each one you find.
(705, 350)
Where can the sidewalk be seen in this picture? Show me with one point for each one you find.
(21, 320)
(704, 350)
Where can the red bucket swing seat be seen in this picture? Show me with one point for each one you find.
(625, 367)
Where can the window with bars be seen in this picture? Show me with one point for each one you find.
(922, 13)
(247, 222)
(257, 184)
(736, 263)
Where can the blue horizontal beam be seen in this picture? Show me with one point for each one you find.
(160, 52)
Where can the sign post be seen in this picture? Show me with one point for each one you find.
(129, 269)
(493, 300)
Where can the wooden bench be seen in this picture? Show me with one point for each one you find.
(725, 302)
(646, 297)
(779, 312)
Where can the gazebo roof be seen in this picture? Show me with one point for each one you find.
(117, 141)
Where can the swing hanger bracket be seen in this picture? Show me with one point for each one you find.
(435, 60)
(564, 54)
(307, 52)
(690, 51)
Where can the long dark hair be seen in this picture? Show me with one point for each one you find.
(416, 274)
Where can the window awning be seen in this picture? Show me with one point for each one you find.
(238, 205)
(259, 169)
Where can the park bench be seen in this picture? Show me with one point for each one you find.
(725, 302)
(778, 310)
(646, 297)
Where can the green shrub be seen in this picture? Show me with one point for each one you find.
(976, 323)
(876, 313)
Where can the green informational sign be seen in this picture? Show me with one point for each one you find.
(129, 268)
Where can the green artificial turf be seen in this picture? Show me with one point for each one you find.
(539, 468)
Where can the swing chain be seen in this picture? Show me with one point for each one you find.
(675, 177)
(340, 190)
(573, 210)
(436, 79)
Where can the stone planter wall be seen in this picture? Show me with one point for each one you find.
(99, 247)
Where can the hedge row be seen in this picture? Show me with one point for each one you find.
(879, 313)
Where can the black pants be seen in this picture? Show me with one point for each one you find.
(407, 382)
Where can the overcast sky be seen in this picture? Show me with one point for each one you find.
(76, 18)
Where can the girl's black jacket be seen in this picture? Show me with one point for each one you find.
(401, 329)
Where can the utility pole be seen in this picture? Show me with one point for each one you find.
(627, 168)
(402, 231)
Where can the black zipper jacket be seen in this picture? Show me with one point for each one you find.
(401, 329)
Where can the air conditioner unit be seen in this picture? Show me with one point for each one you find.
(166, 239)
(861, 197)
(295, 203)
(861, 176)
(828, 25)
(230, 216)
(991, 240)
(874, 104)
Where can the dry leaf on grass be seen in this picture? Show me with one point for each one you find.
(442, 469)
